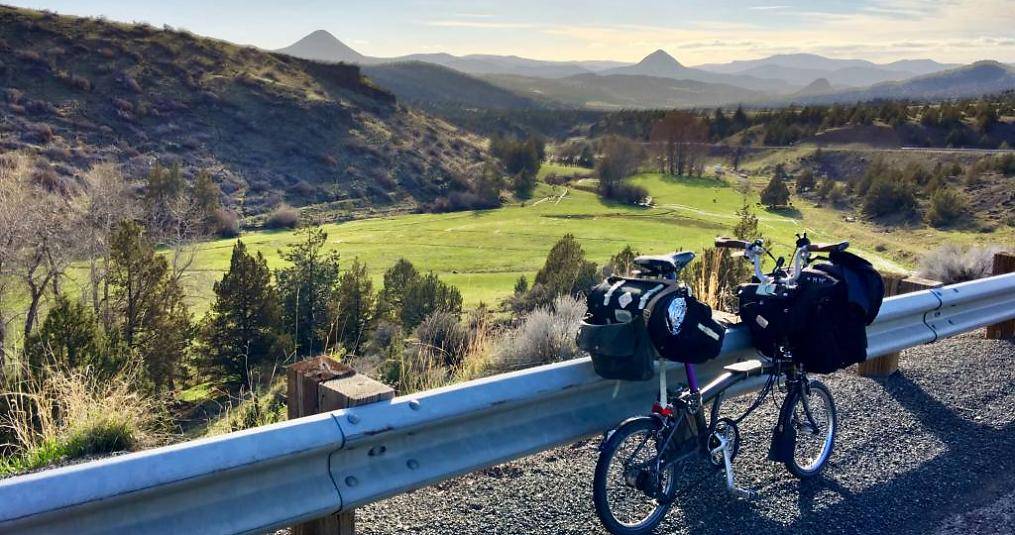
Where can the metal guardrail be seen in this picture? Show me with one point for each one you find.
(264, 478)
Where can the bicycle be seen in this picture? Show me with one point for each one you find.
(639, 459)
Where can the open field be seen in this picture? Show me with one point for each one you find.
(484, 252)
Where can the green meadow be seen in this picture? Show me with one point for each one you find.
(484, 252)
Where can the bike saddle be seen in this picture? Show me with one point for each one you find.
(666, 263)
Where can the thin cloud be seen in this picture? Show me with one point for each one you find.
(767, 8)
(479, 24)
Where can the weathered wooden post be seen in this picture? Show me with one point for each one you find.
(323, 384)
(1003, 263)
(895, 284)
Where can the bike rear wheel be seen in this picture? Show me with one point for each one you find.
(628, 489)
(814, 422)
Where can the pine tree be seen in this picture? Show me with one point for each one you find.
(355, 302)
(306, 289)
(243, 328)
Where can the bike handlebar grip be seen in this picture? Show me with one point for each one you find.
(828, 247)
(731, 243)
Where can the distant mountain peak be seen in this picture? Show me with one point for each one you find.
(817, 87)
(321, 45)
(660, 58)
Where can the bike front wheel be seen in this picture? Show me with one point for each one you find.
(630, 484)
(812, 417)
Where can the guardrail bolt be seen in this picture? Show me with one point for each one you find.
(319, 385)
(1003, 263)
(414, 404)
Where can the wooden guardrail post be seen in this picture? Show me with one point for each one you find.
(323, 384)
(895, 284)
(1003, 263)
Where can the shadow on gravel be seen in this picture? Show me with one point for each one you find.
(976, 468)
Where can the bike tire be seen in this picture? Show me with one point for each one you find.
(817, 390)
(600, 482)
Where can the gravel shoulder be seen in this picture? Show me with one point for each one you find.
(930, 449)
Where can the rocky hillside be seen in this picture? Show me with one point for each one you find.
(270, 127)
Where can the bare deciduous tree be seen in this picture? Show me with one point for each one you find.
(679, 140)
(14, 194)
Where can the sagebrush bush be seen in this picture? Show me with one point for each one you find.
(547, 334)
(952, 263)
(445, 335)
(284, 216)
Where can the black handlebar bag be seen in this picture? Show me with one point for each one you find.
(820, 324)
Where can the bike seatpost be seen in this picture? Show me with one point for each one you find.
(692, 377)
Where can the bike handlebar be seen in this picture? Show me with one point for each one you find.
(828, 247)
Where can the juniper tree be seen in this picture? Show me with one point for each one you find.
(243, 328)
(306, 289)
(148, 314)
(355, 306)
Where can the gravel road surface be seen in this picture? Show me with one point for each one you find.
(930, 449)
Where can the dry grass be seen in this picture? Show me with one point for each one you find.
(70, 414)
(714, 277)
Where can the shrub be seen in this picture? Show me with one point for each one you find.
(889, 196)
(284, 216)
(565, 272)
(225, 223)
(952, 263)
(947, 206)
(554, 179)
(826, 187)
(425, 295)
(253, 407)
(805, 181)
(547, 334)
(623, 192)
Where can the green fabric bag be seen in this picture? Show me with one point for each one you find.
(621, 351)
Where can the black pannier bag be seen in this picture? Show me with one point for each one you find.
(633, 321)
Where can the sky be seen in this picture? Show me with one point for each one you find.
(695, 32)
